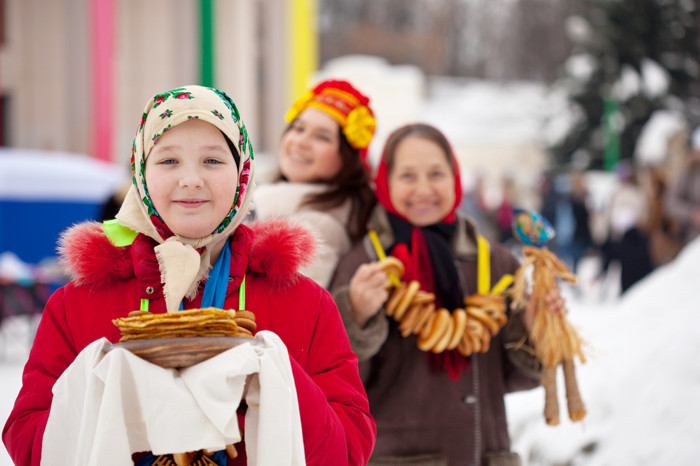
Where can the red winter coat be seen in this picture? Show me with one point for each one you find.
(110, 282)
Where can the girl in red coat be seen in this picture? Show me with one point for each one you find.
(178, 243)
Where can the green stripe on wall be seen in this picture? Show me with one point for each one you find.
(206, 69)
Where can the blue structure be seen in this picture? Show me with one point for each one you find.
(43, 193)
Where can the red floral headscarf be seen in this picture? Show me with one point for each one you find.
(426, 251)
(418, 262)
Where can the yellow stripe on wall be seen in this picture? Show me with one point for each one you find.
(303, 40)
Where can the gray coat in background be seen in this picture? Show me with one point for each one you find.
(682, 202)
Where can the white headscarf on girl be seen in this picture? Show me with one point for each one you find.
(184, 262)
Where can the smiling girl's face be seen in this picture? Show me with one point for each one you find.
(421, 181)
(310, 148)
(191, 178)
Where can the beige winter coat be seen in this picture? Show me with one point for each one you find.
(284, 199)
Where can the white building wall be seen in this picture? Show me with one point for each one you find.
(45, 66)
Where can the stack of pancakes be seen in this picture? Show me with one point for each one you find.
(205, 322)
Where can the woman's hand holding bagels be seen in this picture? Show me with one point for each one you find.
(468, 329)
(368, 292)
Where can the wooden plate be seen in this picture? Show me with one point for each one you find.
(178, 353)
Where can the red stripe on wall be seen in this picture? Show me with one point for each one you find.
(102, 17)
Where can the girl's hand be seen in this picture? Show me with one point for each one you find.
(367, 292)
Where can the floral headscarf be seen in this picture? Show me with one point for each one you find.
(184, 262)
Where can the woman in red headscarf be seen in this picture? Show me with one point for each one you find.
(432, 407)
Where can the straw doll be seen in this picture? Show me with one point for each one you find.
(555, 340)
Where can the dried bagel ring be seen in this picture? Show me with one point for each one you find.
(428, 327)
(483, 317)
(494, 305)
(184, 459)
(247, 324)
(459, 316)
(406, 300)
(465, 346)
(231, 451)
(391, 266)
(485, 340)
(244, 314)
(473, 332)
(423, 297)
(408, 321)
(485, 300)
(426, 311)
(441, 344)
(394, 299)
(437, 331)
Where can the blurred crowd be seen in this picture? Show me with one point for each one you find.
(632, 220)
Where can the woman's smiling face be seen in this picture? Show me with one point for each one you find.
(421, 181)
(191, 178)
(310, 148)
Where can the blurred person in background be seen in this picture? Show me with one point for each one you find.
(682, 200)
(110, 207)
(664, 240)
(548, 198)
(504, 211)
(565, 204)
(323, 179)
(627, 242)
(581, 239)
(474, 205)
(431, 409)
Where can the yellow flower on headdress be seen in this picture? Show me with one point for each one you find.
(300, 105)
(344, 104)
(359, 127)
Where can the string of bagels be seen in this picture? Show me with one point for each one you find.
(468, 329)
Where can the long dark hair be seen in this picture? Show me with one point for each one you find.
(351, 183)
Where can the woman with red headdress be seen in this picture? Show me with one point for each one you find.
(434, 403)
(323, 178)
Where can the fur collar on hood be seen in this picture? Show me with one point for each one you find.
(278, 249)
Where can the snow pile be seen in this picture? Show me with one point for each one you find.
(640, 383)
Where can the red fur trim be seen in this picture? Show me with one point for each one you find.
(89, 256)
(280, 248)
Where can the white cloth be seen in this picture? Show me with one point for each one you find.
(107, 406)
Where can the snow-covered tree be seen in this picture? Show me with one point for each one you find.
(630, 59)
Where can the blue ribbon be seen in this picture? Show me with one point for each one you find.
(215, 287)
(214, 295)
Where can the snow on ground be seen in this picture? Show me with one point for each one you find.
(15, 341)
(640, 383)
